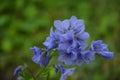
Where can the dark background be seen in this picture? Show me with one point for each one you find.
(25, 23)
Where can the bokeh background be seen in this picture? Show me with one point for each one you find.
(25, 23)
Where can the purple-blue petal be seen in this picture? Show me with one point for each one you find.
(98, 46)
(67, 37)
(36, 50)
(46, 60)
(50, 43)
(72, 20)
(76, 24)
(37, 54)
(106, 54)
(37, 59)
(62, 25)
(68, 72)
(18, 70)
(79, 61)
(60, 67)
(66, 59)
(83, 36)
(88, 56)
(58, 24)
(65, 25)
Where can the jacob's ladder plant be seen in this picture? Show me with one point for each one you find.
(69, 40)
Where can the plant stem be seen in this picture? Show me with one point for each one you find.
(31, 73)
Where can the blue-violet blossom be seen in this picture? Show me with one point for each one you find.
(101, 49)
(70, 40)
(38, 57)
(65, 72)
(18, 70)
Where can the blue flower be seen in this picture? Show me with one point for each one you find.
(70, 54)
(18, 70)
(98, 46)
(72, 39)
(45, 60)
(60, 68)
(64, 72)
(82, 36)
(62, 26)
(66, 32)
(101, 49)
(77, 25)
(84, 56)
(66, 40)
(79, 60)
(106, 54)
(38, 57)
(88, 56)
(51, 41)
(67, 72)
(67, 58)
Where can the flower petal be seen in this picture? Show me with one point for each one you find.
(72, 20)
(46, 60)
(36, 50)
(18, 70)
(67, 73)
(106, 54)
(50, 43)
(65, 25)
(88, 56)
(83, 36)
(65, 59)
(58, 24)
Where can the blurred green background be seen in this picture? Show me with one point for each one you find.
(25, 23)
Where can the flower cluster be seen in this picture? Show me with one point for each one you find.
(69, 39)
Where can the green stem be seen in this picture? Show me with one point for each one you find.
(31, 73)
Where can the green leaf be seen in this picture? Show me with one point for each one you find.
(6, 45)
(27, 76)
(3, 20)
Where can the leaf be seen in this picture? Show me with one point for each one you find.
(3, 20)
(44, 72)
(27, 76)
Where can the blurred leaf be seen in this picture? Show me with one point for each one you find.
(27, 76)
(108, 21)
(6, 45)
(85, 10)
(3, 20)
(19, 4)
(44, 72)
(30, 11)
